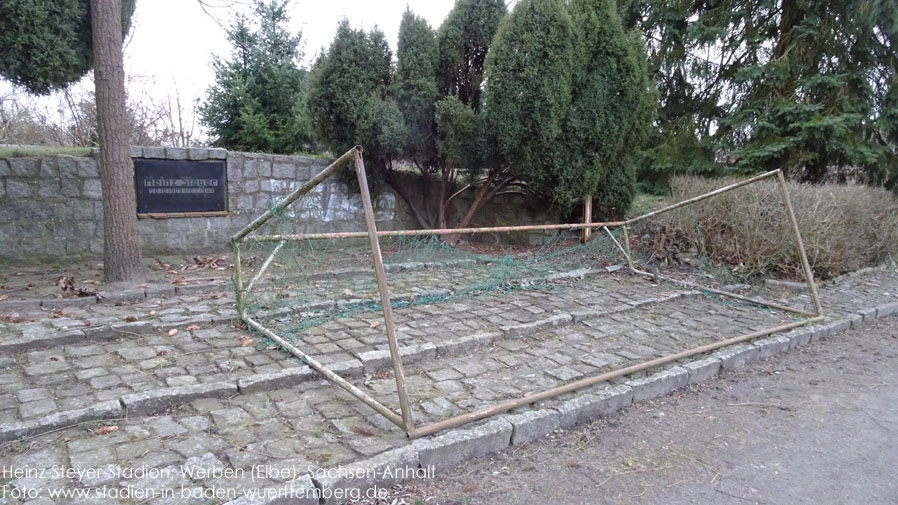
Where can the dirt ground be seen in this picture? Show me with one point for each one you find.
(817, 425)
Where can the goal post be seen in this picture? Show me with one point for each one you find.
(404, 418)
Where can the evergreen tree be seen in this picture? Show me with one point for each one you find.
(256, 103)
(612, 106)
(748, 85)
(464, 39)
(528, 89)
(416, 89)
(46, 45)
(348, 98)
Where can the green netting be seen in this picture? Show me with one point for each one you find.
(311, 282)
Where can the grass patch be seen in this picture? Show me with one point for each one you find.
(843, 227)
(647, 202)
(29, 152)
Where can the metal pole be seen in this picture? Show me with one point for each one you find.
(589, 381)
(438, 231)
(625, 253)
(627, 245)
(703, 197)
(390, 328)
(808, 273)
(725, 293)
(265, 265)
(239, 296)
(305, 188)
(587, 218)
(328, 374)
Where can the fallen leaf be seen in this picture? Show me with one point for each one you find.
(246, 343)
(3, 297)
(55, 358)
(243, 337)
(347, 292)
(131, 319)
(193, 327)
(368, 295)
(152, 312)
(172, 332)
(375, 324)
(142, 286)
(161, 353)
(103, 430)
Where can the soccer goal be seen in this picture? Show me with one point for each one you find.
(390, 294)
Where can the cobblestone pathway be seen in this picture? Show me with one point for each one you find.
(201, 409)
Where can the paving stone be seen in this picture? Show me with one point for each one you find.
(276, 380)
(180, 380)
(564, 373)
(736, 356)
(702, 369)
(195, 423)
(447, 450)
(105, 381)
(383, 470)
(591, 404)
(46, 368)
(526, 329)
(151, 402)
(231, 417)
(659, 383)
(36, 408)
(30, 395)
(136, 353)
(532, 425)
(771, 346)
(165, 427)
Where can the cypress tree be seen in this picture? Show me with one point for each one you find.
(416, 88)
(529, 89)
(348, 98)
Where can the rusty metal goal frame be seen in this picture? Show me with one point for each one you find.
(404, 418)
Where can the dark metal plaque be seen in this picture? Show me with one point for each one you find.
(180, 187)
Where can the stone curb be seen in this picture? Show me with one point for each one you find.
(111, 409)
(155, 401)
(450, 448)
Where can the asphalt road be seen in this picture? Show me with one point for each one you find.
(818, 425)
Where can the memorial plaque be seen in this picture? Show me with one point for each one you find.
(169, 188)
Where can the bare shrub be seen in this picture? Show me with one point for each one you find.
(843, 227)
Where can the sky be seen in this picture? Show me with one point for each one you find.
(173, 41)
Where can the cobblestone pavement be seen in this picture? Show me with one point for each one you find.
(200, 399)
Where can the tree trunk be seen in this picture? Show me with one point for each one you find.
(121, 244)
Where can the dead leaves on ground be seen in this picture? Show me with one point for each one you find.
(67, 285)
(105, 430)
(10, 318)
(199, 263)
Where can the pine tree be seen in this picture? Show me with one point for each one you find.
(749, 85)
(256, 102)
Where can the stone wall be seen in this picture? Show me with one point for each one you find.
(51, 207)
